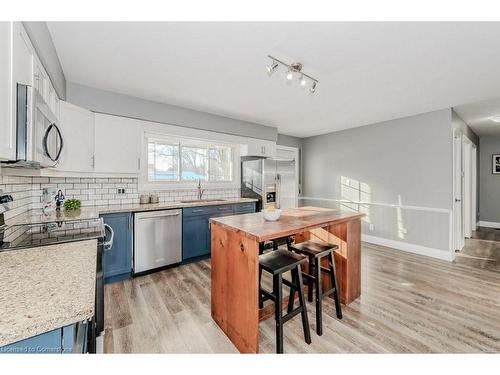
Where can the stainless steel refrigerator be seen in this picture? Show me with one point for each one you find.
(272, 181)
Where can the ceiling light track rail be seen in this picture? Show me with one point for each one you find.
(294, 67)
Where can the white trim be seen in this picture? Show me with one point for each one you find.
(297, 169)
(401, 206)
(474, 187)
(409, 247)
(489, 224)
(145, 185)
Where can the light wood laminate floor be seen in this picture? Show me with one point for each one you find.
(409, 304)
(482, 250)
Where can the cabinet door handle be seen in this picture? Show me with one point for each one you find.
(109, 244)
(138, 163)
(195, 211)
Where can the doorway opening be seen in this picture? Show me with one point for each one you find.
(464, 189)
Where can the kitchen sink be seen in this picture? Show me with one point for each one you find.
(204, 200)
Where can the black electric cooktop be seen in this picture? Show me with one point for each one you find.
(31, 235)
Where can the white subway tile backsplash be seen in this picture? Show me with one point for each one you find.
(57, 180)
(27, 191)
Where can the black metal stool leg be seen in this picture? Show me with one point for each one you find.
(278, 307)
(261, 301)
(336, 292)
(302, 302)
(291, 298)
(319, 296)
(310, 282)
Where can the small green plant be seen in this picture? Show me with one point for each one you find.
(72, 204)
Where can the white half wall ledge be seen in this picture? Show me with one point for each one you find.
(489, 224)
(409, 247)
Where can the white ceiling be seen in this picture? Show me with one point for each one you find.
(368, 72)
(478, 116)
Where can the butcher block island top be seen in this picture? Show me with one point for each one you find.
(235, 263)
(292, 221)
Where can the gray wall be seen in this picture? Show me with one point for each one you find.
(42, 42)
(123, 105)
(462, 127)
(288, 140)
(406, 161)
(489, 184)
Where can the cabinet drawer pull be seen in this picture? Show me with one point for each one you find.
(198, 210)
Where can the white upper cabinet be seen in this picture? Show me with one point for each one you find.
(7, 129)
(117, 144)
(258, 147)
(22, 57)
(77, 127)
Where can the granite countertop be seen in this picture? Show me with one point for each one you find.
(45, 288)
(36, 216)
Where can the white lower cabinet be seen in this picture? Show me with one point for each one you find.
(77, 127)
(117, 145)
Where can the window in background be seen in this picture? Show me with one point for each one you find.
(189, 160)
(163, 161)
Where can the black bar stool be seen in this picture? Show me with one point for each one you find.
(277, 263)
(315, 251)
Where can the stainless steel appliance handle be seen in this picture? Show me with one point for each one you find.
(45, 139)
(157, 215)
(109, 244)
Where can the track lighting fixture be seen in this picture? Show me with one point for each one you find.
(313, 87)
(303, 81)
(271, 68)
(291, 69)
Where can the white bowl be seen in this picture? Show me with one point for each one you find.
(271, 215)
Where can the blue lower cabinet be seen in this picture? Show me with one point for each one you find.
(196, 236)
(117, 262)
(57, 341)
(46, 343)
(244, 208)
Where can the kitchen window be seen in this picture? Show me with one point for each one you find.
(188, 160)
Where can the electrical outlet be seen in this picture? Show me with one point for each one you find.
(121, 191)
(372, 227)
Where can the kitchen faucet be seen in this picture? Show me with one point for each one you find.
(200, 190)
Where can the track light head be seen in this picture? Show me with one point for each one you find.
(303, 81)
(289, 75)
(271, 68)
(313, 87)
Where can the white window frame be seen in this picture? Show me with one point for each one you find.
(146, 185)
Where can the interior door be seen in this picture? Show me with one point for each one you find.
(474, 188)
(457, 192)
(467, 187)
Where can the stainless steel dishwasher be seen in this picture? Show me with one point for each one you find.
(157, 239)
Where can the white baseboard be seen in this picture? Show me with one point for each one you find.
(489, 224)
(409, 247)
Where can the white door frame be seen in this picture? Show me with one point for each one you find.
(458, 239)
(464, 189)
(474, 187)
(297, 169)
(467, 186)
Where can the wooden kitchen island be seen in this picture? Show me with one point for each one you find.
(235, 262)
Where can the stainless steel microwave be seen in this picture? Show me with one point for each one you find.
(39, 141)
